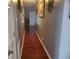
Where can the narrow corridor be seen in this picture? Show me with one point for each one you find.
(32, 47)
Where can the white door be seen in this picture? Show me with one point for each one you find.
(32, 18)
(11, 34)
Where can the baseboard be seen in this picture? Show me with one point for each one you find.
(22, 45)
(44, 46)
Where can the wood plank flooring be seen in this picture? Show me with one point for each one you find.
(32, 47)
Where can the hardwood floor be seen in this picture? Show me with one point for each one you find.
(32, 47)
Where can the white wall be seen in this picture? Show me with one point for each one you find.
(49, 28)
(11, 30)
(64, 51)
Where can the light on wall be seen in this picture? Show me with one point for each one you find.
(50, 5)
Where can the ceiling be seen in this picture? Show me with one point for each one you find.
(30, 2)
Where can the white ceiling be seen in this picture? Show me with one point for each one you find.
(29, 5)
(30, 1)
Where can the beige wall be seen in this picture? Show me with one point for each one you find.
(49, 28)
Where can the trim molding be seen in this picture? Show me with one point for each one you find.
(44, 46)
(22, 45)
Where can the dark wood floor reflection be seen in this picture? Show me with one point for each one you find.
(32, 47)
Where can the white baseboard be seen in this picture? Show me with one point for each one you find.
(22, 45)
(44, 46)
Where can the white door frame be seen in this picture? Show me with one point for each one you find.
(14, 32)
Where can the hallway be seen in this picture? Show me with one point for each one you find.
(47, 18)
(32, 47)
